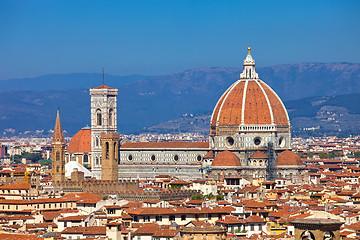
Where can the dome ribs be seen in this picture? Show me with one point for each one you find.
(256, 107)
(279, 111)
(232, 106)
(215, 114)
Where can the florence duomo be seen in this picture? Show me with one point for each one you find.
(249, 139)
(214, 120)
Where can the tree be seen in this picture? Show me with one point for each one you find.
(33, 157)
(197, 197)
(209, 196)
(220, 197)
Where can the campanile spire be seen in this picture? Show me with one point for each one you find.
(58, 153)
(58, 135)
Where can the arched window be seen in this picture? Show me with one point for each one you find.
(97, 142)
(98, 117)
(86, 159)
(111, 117)
(115, 149)
(97, 161)
(57, 156)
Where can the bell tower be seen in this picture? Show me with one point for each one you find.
(110, 156)
(103, 119)
(58, 153)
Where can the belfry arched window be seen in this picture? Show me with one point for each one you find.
(57, 156)
(111, 117)
(98, 117)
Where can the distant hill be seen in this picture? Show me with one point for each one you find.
(145, 101)
(66, 81)
(314, 116)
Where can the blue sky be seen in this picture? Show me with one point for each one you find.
(159, 37)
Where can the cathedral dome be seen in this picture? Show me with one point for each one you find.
(81, 142)
(226, 159)
(289, 158)
(249, 101)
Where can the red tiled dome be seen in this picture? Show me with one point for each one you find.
(260, 105)
(287, 158)
(81, 141)
(259, 154)
(226, 159)
(249, 101)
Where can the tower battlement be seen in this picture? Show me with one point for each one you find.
(110, 135)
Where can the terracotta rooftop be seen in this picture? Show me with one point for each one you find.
(81, 141)
(287, 158)
(226, 158)
(15, 186)
(259, 154)
(103, 87)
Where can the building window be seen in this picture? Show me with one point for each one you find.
(282, 142)
(158, 218)
(98, 117)
(176, 158)
(107, 149)
(86, 158)
(111, 116)
(57, 156)
(130, 157)
(230, 141)
(252, 227)
(171, 217)
(199, 158)
(153, 158)
(257, 141)
(183, 217)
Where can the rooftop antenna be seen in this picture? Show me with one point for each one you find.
(103, 76)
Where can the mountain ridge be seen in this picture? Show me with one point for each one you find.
(145, 101)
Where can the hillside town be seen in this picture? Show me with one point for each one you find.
(166, 207)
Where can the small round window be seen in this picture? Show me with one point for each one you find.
(176, 158)
(257, 141)
(130, 157)
(153, 158)
(198, 158)
(230, 141)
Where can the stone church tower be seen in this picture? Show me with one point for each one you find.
(58, 153)
(103, 120)
(110, 156)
